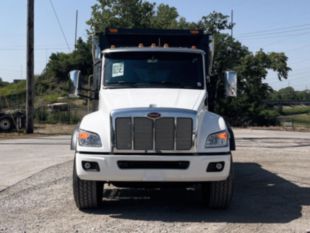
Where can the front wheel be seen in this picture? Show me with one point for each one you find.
(87, 194)
(218, 195)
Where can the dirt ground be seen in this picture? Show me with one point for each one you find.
(272, 194)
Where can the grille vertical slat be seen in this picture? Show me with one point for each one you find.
(143, 133)
(123, 133)
(164, 134)
(184, 133)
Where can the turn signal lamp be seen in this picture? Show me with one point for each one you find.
(89, 139)
(219, 139)
(83, 135)
(222, 136)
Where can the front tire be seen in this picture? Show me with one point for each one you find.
(218, 195)
(87, 194)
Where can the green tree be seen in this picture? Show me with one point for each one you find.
(121, 13)
(55, 75)
(288, 93)
(135, 14)
(166, 17)
(3, 83)
(215, 22)
(252, 71)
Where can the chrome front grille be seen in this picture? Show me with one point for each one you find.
(144, 134)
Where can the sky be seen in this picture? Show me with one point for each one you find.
(271, 25)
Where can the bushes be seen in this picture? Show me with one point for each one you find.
(71, 116)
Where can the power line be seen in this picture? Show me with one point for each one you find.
(274, 29)
(277, 35)
(59, 24)
(278, 32)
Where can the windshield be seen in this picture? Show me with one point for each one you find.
(153, 69)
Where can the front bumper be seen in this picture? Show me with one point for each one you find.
(111, 172)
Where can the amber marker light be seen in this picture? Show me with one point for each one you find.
(113, 30)
(83, 135)
(223, 136)
(194, 32)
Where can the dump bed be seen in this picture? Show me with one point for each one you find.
(119, 37)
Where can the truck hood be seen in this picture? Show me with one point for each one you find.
(111, 99)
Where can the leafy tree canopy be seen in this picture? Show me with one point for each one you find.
(3, 83)
(288, 93)
(55, 75)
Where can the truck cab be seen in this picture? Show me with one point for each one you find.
(151, 124)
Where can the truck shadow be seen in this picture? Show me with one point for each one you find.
(259, 197)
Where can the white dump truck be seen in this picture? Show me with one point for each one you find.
(151, 125)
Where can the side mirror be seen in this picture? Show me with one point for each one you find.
(75, 83)
(96, 50)
(231, 83)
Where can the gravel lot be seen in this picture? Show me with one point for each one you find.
(272, 194)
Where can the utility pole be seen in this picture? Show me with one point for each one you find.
(30, 67)
(232, 23)
(76, 27)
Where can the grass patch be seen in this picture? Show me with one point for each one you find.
(51, 98)
(293, 110)
(13, 89)
(296, 120)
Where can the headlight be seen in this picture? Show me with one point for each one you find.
(219, 139)
(89, 139)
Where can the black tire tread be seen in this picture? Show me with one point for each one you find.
(11, 124)
(219, 194)
(87, 194)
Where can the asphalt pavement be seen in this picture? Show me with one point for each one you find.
(21, 158)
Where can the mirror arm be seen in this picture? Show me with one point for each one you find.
(85, 89)
(87, 97)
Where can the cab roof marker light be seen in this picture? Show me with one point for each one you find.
(194, 32)
(166, 45)
(141, 45)
(113, 30)
(153, 45)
